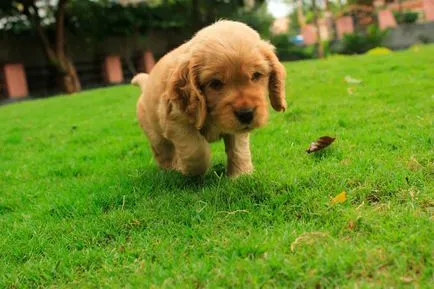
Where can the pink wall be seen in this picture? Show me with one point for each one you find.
(113, 69)
(386, 19)
(344, 25)
(15, 80)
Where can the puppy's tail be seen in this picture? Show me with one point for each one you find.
(140, 79)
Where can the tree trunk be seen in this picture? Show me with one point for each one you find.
(67, 77)
(300, 15)
(332, 34)
(67, 74)
(195, 15)
(319, 44)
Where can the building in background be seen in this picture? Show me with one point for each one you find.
(280, 25)
(247, 3)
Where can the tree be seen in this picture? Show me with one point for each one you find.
(205, 12)
(99, 19)
(38, 16)
(300, 15)
(319, 44)
(362, 2)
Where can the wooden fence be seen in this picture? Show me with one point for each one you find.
(134, 54)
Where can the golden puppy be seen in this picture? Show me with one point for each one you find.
(212, 87)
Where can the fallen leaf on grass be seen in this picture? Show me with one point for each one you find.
(348, 79)
(352, 224)
(233, 212)
(320, 143)
(406, 279)
(339, 198)
(413, 164)
(411, 193)
(307, 238)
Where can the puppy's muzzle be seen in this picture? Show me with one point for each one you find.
(245, 115)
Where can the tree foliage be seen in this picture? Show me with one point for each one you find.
(360, 42)
(101, 18)
(37, 16)
(52, 21)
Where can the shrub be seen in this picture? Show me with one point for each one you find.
(406, 17)
(360, 42)
(259, 19)
(379, 51)
(287, 50)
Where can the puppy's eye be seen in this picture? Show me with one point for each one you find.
(215, 84)
(256, 76)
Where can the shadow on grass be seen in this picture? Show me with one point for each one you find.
(171, 180)
(148, 187)
(166, 195)
(156, 184)
(322, 154)
(327, 154)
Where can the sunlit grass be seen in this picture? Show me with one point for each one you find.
(82, 203)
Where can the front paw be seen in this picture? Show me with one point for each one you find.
(236, 171)
(197, 168)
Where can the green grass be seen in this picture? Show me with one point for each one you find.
(82, 203)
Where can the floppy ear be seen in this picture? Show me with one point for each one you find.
(184, 90)
(276, 82)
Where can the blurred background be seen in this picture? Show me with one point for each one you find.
(64, 46)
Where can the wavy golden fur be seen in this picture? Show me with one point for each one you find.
(212, 87)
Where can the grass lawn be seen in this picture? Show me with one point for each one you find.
(82, 203)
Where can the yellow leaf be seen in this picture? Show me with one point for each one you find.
(339, 198)
(406, 279)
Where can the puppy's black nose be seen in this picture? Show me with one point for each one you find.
(245, 115)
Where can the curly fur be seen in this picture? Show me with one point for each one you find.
(180, 110)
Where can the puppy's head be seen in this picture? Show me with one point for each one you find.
(226, 77)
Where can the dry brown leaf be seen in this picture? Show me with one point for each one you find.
(320, 144)
(339, 198)
(413, 164)
(411, 193)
